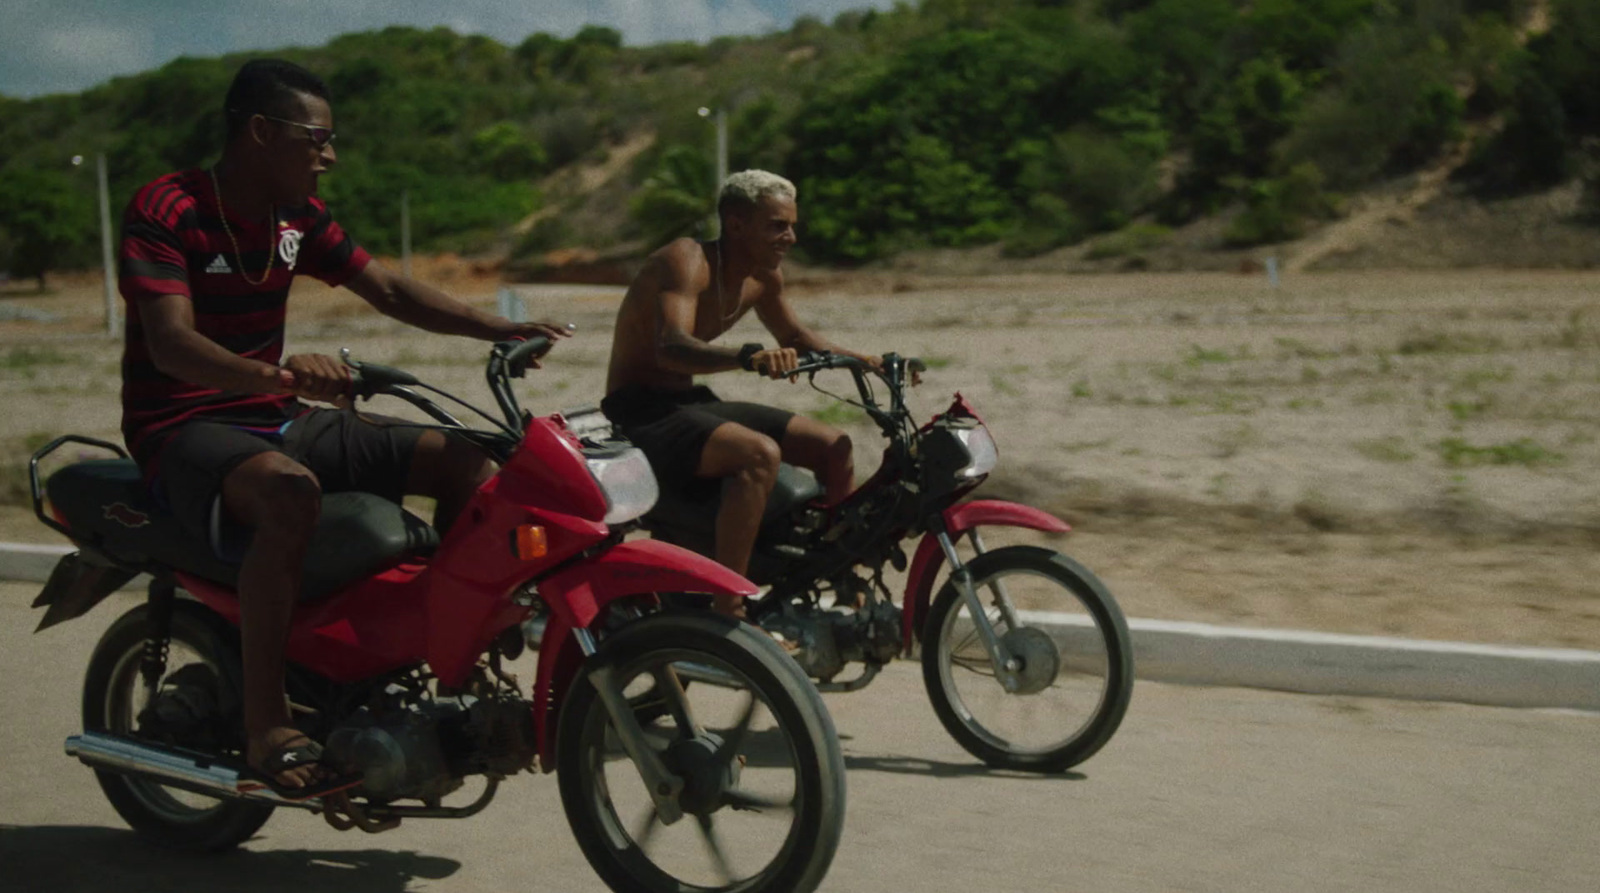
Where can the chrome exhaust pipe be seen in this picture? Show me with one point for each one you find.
(175, 768)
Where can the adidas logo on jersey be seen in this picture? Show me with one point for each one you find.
(219, 264)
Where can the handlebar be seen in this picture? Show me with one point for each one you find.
(893, 364)
(518, 355)
(367, 379)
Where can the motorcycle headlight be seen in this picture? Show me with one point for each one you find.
(985, 455)
(625, 478)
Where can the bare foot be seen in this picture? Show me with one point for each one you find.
(279, 752)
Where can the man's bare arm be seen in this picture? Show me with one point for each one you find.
(417, 304)
(681, 274)
(779, 318)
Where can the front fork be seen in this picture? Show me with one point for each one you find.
(664, 785)
(1006, 665)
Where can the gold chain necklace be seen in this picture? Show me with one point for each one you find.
(238, 255)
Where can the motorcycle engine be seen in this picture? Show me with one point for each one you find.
(830, 639)
(422, 749)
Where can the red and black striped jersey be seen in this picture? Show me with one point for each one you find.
(173, 242)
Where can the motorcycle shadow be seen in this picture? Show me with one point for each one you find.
(909, 765)
(81, 859)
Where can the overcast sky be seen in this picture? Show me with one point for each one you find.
(56, 46)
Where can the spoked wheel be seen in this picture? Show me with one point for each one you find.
(189, 709)
(763, 779)
(1073, 661)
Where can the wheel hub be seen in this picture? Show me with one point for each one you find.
(706, 777)
(1040, 658)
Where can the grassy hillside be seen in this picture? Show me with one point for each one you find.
(1027, 124)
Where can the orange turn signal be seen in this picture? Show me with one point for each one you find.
(530, 542)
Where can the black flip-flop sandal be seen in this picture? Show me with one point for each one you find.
(293, 757)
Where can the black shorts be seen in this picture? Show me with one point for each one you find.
(367, 453)
(672, 427)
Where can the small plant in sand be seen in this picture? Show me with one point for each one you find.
(1524, 451)
(1385, 449)
(1230, 441)
(835, 414)
(26, 359)
(1442, 341)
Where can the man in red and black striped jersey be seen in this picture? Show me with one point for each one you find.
(211, 407)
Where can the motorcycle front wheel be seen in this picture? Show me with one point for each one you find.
(1074, 661)
(195, 703)
(764, 785)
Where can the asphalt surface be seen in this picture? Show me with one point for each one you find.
(1203, 789)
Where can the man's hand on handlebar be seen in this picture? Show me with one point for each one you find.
(550, 330)
(776, 363)
(315, 377)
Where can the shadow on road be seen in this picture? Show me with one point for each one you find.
(69, 859)
(935, 769)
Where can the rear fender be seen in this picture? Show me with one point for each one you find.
(958, 519)
(579, 594)
(77, 584)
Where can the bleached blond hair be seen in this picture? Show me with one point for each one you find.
(745, 189)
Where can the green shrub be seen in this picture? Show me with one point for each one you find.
(1277, 210)
(1133, 239)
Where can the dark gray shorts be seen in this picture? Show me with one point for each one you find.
(366, 453)
(672, 427)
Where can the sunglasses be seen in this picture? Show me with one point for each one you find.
(320, 136)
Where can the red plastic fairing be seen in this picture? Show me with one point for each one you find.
(958, 519)
(371, 627)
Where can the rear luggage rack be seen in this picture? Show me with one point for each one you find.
(36, 487)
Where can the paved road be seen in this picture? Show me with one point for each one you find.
(1202, 790)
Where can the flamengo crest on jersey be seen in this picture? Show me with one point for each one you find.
(289, 246)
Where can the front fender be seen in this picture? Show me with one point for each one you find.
(958, 519)
(635, 567)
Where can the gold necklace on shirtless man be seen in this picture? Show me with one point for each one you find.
(688, 294)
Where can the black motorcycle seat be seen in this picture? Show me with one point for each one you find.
(106, 505)
(695, 514)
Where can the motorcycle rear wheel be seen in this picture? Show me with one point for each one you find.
(1077, 673)
(114, 695)
(765, 792)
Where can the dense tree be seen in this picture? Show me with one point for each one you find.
(44, 214)
(940, 122)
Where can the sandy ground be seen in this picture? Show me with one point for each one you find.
(1394, 453)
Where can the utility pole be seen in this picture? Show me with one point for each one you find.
(107, 261)
(405, 232)
(720, 116)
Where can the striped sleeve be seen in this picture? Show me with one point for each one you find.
(328, 253)
(152, 261)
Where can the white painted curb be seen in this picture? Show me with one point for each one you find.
(1286, 660)
(1370, 666)
(33, 562)
(29, 561)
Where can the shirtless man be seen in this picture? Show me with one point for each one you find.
(687, 295)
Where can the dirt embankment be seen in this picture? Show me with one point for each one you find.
(1395, 453)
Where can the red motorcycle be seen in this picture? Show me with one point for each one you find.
(1025, 654)
(398, 655)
